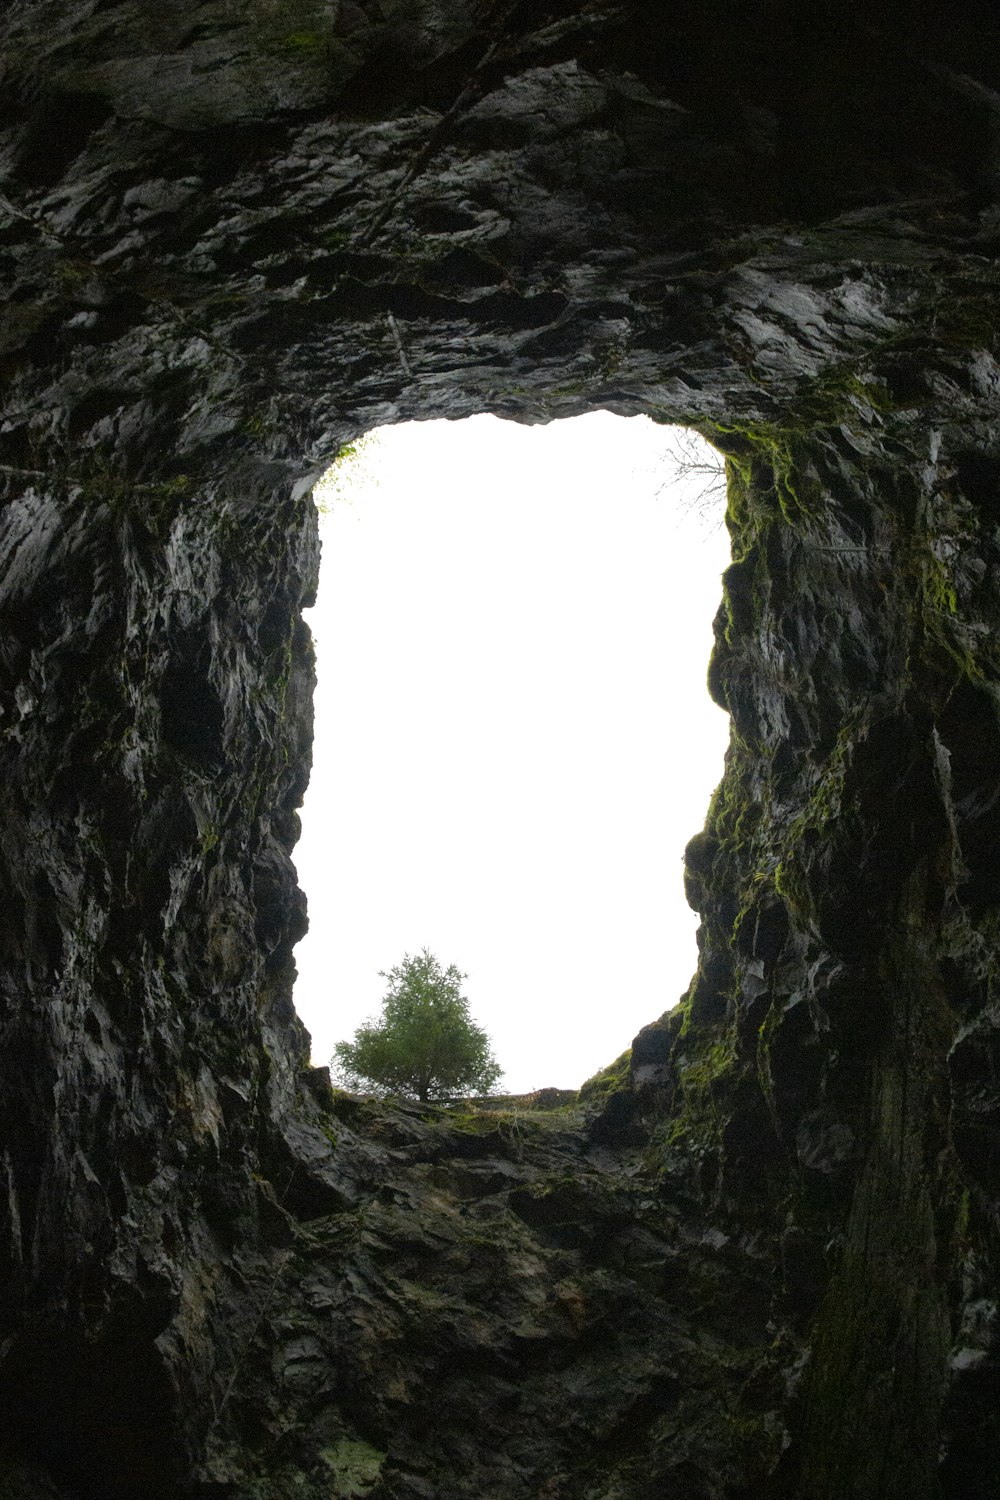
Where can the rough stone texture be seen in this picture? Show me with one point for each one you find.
(505, 1306)
(233, 236)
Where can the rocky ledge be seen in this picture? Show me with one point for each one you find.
(513, 1303)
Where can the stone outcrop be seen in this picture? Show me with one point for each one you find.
(234, 236)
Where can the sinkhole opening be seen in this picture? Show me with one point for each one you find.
(513, 738)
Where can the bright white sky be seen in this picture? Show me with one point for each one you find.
(514, 740)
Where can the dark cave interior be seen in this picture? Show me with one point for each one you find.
(764, 1260)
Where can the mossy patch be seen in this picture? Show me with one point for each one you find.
(705, 1061)
(300, 43)
(607, 1080)
(355, 1467)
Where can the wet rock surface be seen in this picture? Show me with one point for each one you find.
(233, 237)
(504, 1309)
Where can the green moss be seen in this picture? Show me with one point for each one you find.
(608, 1080)
(475, 1121)
(713, 1063)
(166, 489)
(746, 864)
(841, 395)
(770, 477)
(70, 272)
(943, 641)
(735, 847)
(348, 451)
(705, 1070)
(768, 480)
(302, 42)
(352, 1109)
(791, 885)
(938, 586)
(823, 806)
(355, 1467)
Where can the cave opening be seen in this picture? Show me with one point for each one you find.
(514, 740)
(234, 236)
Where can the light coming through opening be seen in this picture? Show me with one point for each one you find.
(513, 736)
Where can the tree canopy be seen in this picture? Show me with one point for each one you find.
(425, 1044)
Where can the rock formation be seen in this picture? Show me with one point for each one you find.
(233, 237)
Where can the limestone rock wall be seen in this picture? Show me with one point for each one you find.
(235, 236)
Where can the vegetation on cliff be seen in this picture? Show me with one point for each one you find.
(426, 1043)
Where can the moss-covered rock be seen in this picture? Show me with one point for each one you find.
(607, 1080)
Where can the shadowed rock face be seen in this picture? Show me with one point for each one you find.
(233, 237)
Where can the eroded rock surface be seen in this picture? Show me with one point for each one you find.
(504, 1306)
(234, 236)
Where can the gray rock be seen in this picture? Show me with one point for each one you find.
(235, 236)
